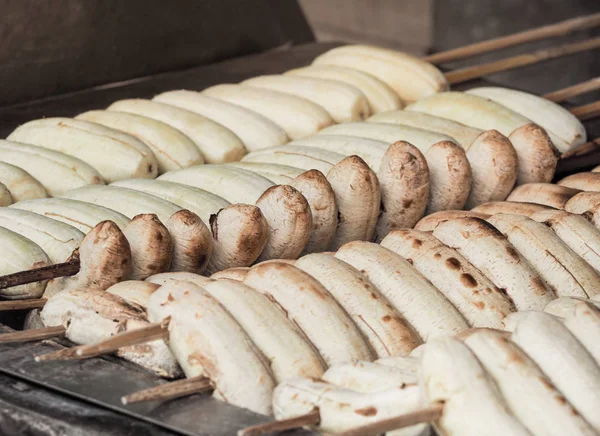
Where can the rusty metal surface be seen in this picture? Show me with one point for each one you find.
(97, 386)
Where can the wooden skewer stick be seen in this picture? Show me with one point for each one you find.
(149, 333)
(311, 418)
(573, 91)
(169, 391)
(33, 303)
(587, 111)
(582, 150)
(426, 415)
(470, 73)
(33, 335)
(68, 268)
(558, 29)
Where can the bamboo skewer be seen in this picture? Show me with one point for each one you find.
(311, 418)
(586, 148)
(562, 28)
(170, 391)
(32, 335)
(149, 333)
(587, 111)
(33, 303)
(470, 73)
(68, 268)
(426, 415)
(573, 91)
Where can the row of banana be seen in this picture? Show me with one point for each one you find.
(141, 138)
(303, 326)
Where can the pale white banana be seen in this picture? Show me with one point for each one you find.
(151, 246)
(564, 360)
(567, 274)
(343, 409)
(404, 181)
(5, 197)
(343, 102)
(565, 130)
(235, 273)
(285, 209)
(255, 130)
(489, 251)
(358, 208)
(135, 292)
(382, 326)
(239, 231)
(198, 329)
(169, 277)
(449, 170)
(57, 239)
(430, 222)
(511, 207)
(358, 199)
(20, 184)
(536, 154)
(173, 150)
(104, 260)
(564, 306)
(307, 158)
(584, 323)
(493, 159)
(317, 191)
(313, 310)
(116, 155)
(276, 173)
(474, 295)
(283, 344)
(412, 78)
(408, 364)
(379, 95)
(415, 298)
(585, 181)
(575, 231)
(79, 214)
(473, 405)
(57, 172)
(369, 377)
(297, 116)
(20, 254)
(548, 194)
(125, 201)
(216, 143)
(530, 395)
(465, 135)
(584, 203)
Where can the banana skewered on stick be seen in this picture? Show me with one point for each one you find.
(449, 169)
(116, 155)
(20, 184)
(547, 194)
(284, 208)
(493, 159)
(56, 172)
(255, 130)
(216, 143)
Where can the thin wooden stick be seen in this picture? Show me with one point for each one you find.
(587, 111)
(426, 415)
(582, 150)
(573, 91)
(33, 303)
(33, 335)
(149, 333)
(68, 268)
(558, 29)
(311, 418)
(169, 391)
(470, 73)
